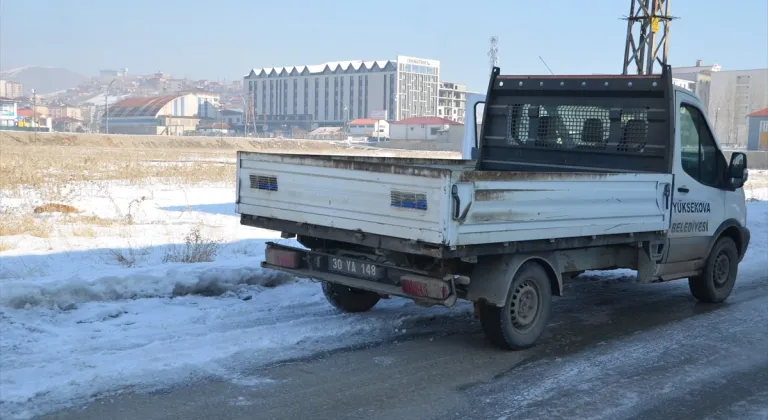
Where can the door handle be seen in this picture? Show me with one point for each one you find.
(683, 190)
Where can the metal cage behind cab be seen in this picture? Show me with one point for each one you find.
(577, 124)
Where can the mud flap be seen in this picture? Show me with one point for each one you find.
(648, 257)
(492, 275)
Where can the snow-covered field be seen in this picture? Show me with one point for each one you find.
(95, 303)
(158, 285)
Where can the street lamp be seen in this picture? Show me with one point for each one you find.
(106, 106)
(245, 116)
(346, 109)
(396, 117)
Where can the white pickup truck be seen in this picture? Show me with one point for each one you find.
(569, 173)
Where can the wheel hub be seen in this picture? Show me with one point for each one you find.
(721, 270)
(525, 304)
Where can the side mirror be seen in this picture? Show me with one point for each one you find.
(737, 170)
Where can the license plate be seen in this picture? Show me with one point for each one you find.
(355, 268)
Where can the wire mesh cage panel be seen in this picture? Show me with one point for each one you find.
(576, 125)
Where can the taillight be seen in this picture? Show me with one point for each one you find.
(425, 287)
(282, 258)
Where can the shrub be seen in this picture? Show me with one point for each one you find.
(196, 249)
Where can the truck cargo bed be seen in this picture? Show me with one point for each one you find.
(448, 202)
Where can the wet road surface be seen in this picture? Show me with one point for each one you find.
(614, 349)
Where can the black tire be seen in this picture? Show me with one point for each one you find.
(716, 281)
(530, 291)
(349, 299)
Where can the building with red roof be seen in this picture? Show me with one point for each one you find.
(26, 117)
(760, 113)
(164, 115)
(369, 127)
(757, 130)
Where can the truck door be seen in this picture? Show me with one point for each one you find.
(698, 201)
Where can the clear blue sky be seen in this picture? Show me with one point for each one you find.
(225, 38)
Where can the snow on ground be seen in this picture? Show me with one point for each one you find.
(757, 185)
(102, 312)
(98, 308)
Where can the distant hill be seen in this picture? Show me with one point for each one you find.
(43, 79)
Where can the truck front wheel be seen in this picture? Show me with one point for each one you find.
(716, 281)
(521, 321)
(349, 299)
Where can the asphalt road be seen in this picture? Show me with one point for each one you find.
(614, 350)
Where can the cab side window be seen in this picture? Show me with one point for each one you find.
(700, 157)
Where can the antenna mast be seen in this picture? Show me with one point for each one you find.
(493, 53)
(643, 46)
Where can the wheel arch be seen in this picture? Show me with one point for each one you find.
(492, 276)
(730, 228)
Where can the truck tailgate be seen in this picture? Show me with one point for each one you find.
(404, 198)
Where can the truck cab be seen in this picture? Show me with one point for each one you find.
(708, 203)
(567, 174)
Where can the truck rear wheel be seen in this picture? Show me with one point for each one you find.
(349, 299)
(716, 281)
(521, 321)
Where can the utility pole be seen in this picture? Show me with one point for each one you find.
(246, 111)
(250, 110)
(106, 107)
(650, 43)
(265, 126)
(344, 116)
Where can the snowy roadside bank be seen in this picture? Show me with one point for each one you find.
(53, 358)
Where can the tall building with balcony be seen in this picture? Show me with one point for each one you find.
(452, 101)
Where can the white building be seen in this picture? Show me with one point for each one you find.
(697, 79)
(8, 112)
(231, 116)
(207, 103)
(728, 96)
(734, 95)
(427, 128)
(452, 101)
(332, 94)
(368, 127)
(685, 84)
(9, 89)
